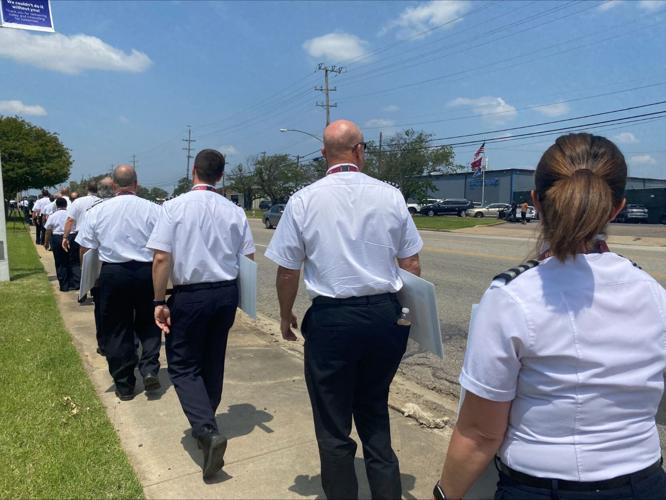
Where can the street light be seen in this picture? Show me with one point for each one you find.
(302, 132)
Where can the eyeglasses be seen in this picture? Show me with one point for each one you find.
(364, 144)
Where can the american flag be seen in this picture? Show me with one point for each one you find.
(477, 160)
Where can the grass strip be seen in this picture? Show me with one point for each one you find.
(451, 223)
(55, 437)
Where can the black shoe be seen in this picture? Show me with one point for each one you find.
(83, 299)
(125, 396)
(100, 351)
(213, 445)
(151, 383)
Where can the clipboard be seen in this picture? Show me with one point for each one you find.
(91, 266)
(419, 295)
(247, 286)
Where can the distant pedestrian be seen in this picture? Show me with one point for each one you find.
(68, 276)
(350, 233)
(37, 216)
(523, 212)
(198, 240)
(119, 229)
(564, 369)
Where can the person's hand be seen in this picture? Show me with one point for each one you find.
(286, 325)
(65, 244)
(163, 318)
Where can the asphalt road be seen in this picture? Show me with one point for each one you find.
(461, 265)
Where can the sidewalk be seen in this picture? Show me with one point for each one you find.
(265, 413)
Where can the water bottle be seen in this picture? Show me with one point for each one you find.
(403, 320)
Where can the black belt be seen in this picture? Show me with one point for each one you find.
(561, 484)
(203, 286)
(129, 263)
(354, 301)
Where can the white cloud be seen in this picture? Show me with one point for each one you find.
(336, 47)
(418, 21)
(608, 5)
(651, 5)
(642, 160)
(228, 150)
(391, 108)
(492, 109)
(14, 107)
(69, 54)
(379, 123)
(557, 109)
(625, 138)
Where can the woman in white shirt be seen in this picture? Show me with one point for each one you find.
(566, 354)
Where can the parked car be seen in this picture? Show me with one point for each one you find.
(272, 215)
(264, 205)
(510, 216)
(491, 210)
(415, 208)
(633, 212)
(456, 206)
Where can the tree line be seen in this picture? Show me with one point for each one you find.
(33, 158)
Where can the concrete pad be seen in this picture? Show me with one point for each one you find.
(265, 413)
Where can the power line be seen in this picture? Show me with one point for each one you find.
(189, 142)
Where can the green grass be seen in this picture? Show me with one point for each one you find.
(55, 438)
(254, 214)
(451, 223)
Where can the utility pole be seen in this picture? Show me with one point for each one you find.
(326, 89)
(379, 159)
(134, 162)
(189, 142)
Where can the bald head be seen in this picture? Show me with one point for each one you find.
(341, 139)
(124, 176)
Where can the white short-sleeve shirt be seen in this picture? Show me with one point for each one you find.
(119, 228)
(205, 233)
(56, 222)
(580, 349)
(78, 208)
(40, 204)
(346, 230)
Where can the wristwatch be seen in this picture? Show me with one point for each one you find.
(159, 302)
(438, 492)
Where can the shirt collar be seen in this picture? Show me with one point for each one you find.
(338, 167)
(201, 187)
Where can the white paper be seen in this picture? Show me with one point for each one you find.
(247, 286)
(91, 266)
(419, 296)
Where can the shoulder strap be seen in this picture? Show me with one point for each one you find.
(632, 262)
(514, 272)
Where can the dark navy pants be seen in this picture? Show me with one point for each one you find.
(201, 316)
(126, 312)
(68, 266)
(352, 350)
(652, 487)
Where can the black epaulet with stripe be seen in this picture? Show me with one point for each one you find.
(632, 262)
(511, 274)
(101, 200)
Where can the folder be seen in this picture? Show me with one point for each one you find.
(419, 296)
(247, 286)
(91, 266)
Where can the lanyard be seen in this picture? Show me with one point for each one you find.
(121, 193)
(342, 167)
(204, 187)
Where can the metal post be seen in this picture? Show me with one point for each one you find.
(4, 253)
(483, 183)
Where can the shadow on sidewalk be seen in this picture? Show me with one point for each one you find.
(308, 486)
(239, 420)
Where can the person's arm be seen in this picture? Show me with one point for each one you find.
(47, 238)
(411, 264)
(476, 438)
(161, 272)
(286, 283)
(65, 237)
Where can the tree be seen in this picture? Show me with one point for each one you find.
(158, 194)
(143, 192)
(31, 156)
(183, 186)
(242, 179)
(407, 160)
(278, 176)
(81, 186)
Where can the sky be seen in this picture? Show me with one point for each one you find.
(124, 79)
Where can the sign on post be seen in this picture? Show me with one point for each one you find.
(26, 14)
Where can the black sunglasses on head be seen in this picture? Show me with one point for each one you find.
(364, 144)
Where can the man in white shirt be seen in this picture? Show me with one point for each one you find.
(54, 227)
(198, 241)
(350, 232)
(38, 218)
(119, 229)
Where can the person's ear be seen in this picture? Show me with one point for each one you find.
(618, 209)
(535, 201)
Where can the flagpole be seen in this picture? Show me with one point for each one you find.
(483, 183)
